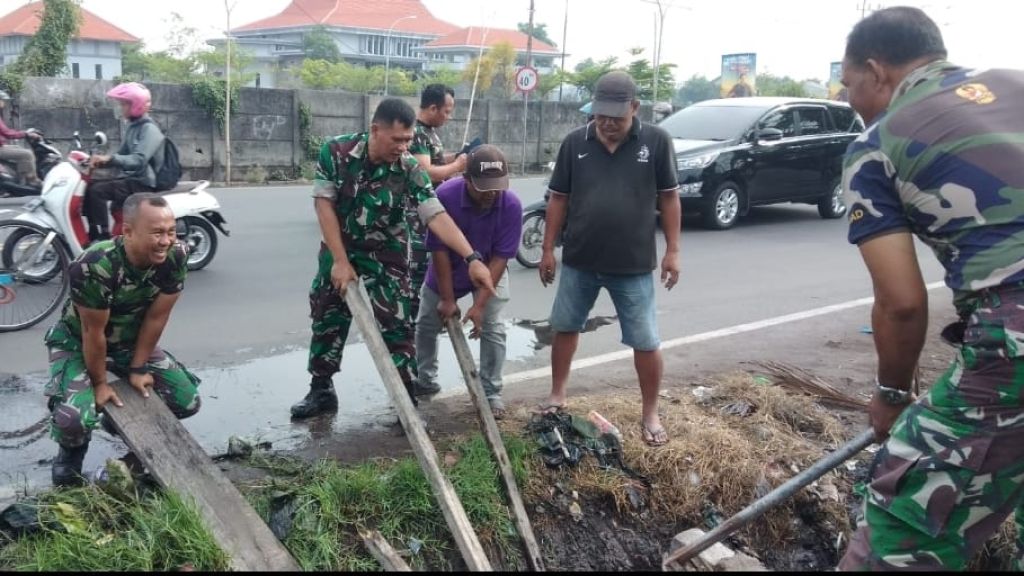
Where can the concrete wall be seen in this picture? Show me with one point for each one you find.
(265, 126)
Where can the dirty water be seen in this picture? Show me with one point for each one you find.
(249, 399)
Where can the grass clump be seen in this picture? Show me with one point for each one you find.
(88, 530)
(328, 504)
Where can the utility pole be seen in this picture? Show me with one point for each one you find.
(866, 9)
(659, 28)
(227, 97)
(565, 32)
(526, 95)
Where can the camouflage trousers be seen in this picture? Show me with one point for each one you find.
(385, 276)
(73, 402)
(953, 469)
(419, 258)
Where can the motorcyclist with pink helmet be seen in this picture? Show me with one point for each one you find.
(140, 157)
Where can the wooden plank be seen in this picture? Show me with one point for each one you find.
(447, 499)
(179, 464)
(493, 437)
(389, 560)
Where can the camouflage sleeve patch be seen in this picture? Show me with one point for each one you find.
(90, 279)
(324, 183)
(420, 145)
(871, 193)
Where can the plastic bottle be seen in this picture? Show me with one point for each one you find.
(603, 424)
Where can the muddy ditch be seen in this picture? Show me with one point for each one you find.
(734, 437)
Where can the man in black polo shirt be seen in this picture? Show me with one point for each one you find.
(611, 178)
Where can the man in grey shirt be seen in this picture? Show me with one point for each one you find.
(611, 179)
(140, 156)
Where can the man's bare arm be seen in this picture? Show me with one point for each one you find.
(438, 173)
(900, 314)
(94, 343)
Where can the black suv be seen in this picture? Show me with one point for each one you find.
(740, 152)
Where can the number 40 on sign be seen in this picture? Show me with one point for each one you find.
(527, 79)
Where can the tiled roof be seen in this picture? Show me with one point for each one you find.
(474, 37)
(366, 14)
(25, 21)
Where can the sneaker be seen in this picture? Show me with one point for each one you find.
(67, 467)
(429, 389)
(318, 401)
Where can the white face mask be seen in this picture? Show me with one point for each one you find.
(117, 111)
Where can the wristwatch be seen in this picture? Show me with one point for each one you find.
(892, 396)
(138, 371)
(473, 257)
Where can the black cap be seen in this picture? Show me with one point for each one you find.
(487, 168)
(614, 95)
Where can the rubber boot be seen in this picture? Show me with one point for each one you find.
(67, 466)
(321, 399)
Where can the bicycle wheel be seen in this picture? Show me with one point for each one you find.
(33, 275)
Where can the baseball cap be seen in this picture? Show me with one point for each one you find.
(614, 95)
(487, 168)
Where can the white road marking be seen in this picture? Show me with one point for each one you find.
(601, 359)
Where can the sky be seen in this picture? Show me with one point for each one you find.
(798, 38)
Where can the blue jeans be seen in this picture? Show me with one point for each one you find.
(492, 339)
(633, 296)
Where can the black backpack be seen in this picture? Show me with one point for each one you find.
(168, 175)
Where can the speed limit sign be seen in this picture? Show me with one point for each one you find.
(527, 79)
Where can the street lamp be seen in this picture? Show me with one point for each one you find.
(387, 50)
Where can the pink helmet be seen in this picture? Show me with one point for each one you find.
(134, 93)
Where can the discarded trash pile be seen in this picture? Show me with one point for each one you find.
(730, 443)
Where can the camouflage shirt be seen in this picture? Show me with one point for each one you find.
(946, 162)
(371, 201)
(426, 142)
(101, 278)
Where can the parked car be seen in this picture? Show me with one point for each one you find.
(736, 153)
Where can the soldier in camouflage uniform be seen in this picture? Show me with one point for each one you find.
(943, 160)
(365, 184)
(437, 102)
(122, 294)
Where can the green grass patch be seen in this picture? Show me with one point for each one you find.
(88, 530)
(331, 503)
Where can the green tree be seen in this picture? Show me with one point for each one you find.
(588, 72)
(46, 53)
(183, 41)
(444, 75)
(771, 85)
(550, 82)
(497, 71)
(320, 75)
(697, 89)
(142, 66)
(643, 74)
(319, 44)
(540, 32)
(215, 61)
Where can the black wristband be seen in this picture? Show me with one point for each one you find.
(139, 371)
(474, 257)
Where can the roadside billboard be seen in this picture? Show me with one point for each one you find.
(739, 75)
(836, 91)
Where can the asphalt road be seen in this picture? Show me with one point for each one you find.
(242, 324)
(251, 302)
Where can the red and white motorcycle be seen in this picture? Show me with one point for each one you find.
(59, 208)
(37, 243)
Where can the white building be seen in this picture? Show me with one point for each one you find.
(365, 31)
(456, 50)
(94, 54)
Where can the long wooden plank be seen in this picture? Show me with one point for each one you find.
(447, 499)
(389, 560)
(179, 464)
(493, 437)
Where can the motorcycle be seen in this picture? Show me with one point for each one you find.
(531, 245)
(58, 212)
(47, 157)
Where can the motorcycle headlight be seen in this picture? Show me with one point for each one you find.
(696, 162)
